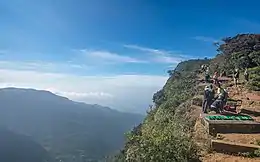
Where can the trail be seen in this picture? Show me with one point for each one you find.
(250, 106)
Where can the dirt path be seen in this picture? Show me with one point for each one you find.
(251, 103)
(241, 138)
(217, 157)
(250, 100)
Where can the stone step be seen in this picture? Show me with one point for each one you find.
(230, 126)
(250, 112)
(231, 147)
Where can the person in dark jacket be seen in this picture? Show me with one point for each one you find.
(208, 98)
(207, 76)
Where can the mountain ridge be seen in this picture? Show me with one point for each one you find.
(63, 126)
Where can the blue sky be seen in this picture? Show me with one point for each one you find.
(113, 39)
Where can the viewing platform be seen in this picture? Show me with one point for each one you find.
(229, 124)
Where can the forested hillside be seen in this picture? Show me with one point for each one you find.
(241, 51)
(167, 132)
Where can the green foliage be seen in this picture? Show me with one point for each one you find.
(257, 153)
(241, 60)
(159, 98)
(254, 82)
(254, 154)
(191, 65)
(255, 56)
(245, 43)
(169, 143)
(241, 51)
(165, 133)
(197, 101)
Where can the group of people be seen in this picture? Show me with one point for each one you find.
(217, 103)
(205, 69)
(212, 102)
(236, 76)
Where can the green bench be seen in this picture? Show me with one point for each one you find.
(227, 117)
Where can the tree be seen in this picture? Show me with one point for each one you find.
(255, 56)
(170, 72)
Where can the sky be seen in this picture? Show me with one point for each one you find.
(115, 53)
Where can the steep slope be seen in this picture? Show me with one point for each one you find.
(65, 128)
(167, 133)
(15, 147)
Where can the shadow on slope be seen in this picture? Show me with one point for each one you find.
(20, 148)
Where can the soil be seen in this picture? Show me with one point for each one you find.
(250, 100)
(253, 97)
(217, 157)
(240, 138)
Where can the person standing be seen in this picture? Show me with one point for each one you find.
(236, 77)
(215, 78)
(223, 74)
(208, 98)
(202, 68)
(207, 68)
(246, 75)
(207, 77)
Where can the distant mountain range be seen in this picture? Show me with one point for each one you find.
(68, 130)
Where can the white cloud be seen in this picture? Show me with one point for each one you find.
(41, 66)
(109, 56)
(205, 39)
(148, 55)
(123, 92)
(145, 49)
(167, 59)
(160, 56)
(81, 95)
